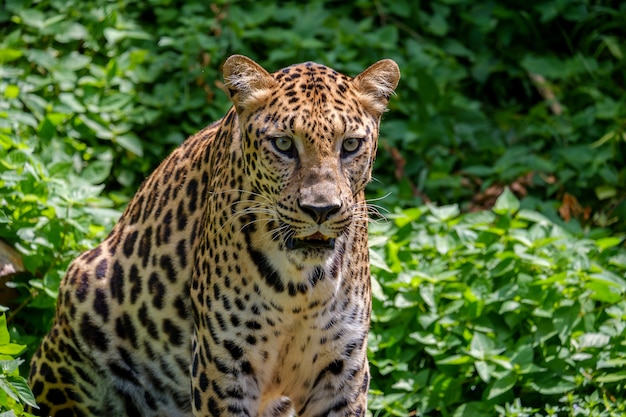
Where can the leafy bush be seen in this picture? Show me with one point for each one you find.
(496, 313)
(491, 94)
(51, 202)
(14, 392)
(474, 313)
(96, 76)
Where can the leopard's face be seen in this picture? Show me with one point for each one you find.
(308, 146)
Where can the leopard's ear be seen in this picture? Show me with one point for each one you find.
(377, 83)
(246, 80)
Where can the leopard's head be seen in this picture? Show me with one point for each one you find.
(309, 138)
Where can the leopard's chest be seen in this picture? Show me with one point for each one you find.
(295, 346)
(284, 318)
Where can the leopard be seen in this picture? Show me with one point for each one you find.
(237, 280)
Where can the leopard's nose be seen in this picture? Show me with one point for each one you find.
(320, 213)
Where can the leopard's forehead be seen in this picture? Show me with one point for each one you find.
(312, 100)
(310, 77)
(309, 70)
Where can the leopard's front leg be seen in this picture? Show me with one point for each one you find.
(223, 382)
(339, 388)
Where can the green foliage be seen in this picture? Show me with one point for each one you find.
(102, 76)
(514, 311)
(51, 207)
(497, 94)
(14, 392)
(496, 313)
(490, 94)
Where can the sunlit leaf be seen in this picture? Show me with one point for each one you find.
(130, 142)
(484, 370)
(481, 346)
(4, 333)
(593, 340)
(12, 349)
(506, 203)
(8, 54)
(502, 385)
(612, 377)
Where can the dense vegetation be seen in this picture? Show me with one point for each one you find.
(497, 312)
(514, 309)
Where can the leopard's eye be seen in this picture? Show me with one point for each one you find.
(283, 144)
(350, 145)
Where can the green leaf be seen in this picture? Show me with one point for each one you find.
(593, 340)
(444, 213)
(378, 261)
(74, 61)
(611, 377)
(47, 129)
(11, 92)
(115, 102)
(23, 391)
(4, 332)
(506, 203)
(605, 192)
(473, 409)
(481, 346)
(608, 242)
(10, 366)
(455, 360)
(113, 36)
(7, 387)
(479, 170)
(72, 102)
(614, 46)
(9, 413)
(548, 66)
(72, 31)
(501, 385)
(32, 17)
(130, 142)
(97, 171)
(484, 370)
(427, 292)
(603, 292)
(10, 55)
(607, 137)
(12, 349)
(552, 386)
(609, 278)
(533, 216)
(101, 130)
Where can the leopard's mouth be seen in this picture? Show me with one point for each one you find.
(315, 241)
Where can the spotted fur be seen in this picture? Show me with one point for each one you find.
(236, 283)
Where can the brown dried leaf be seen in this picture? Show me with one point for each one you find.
(571, 208)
